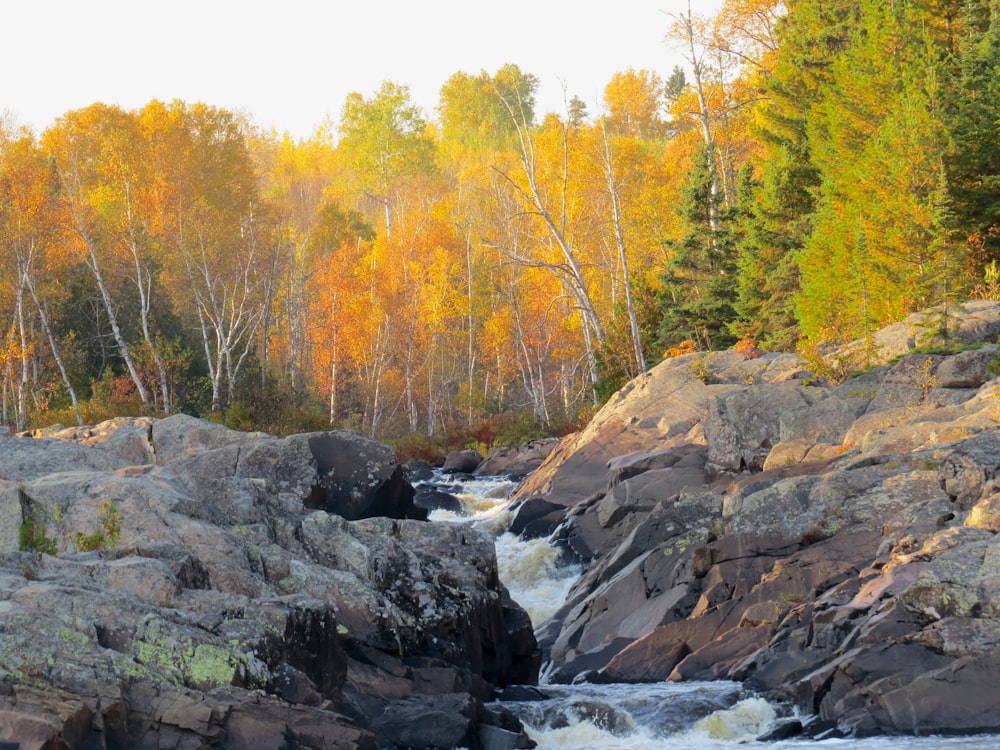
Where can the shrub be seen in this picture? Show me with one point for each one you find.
(32, 536)
(104, 538)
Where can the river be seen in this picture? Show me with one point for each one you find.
(656, 716)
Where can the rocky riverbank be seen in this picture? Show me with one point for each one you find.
(833, 545)
(173, 583)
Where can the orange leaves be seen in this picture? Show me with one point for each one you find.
(685, 347)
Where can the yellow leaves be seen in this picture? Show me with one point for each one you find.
(12, 350)
(635, 104)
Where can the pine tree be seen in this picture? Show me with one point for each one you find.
(780, 202)
(876, 136)
(699, 283)
(973, 106)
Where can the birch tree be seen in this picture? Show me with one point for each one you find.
(89, 149)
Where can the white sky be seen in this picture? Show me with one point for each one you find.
(290, 64)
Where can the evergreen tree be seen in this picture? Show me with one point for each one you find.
(878, 242)
(779, 204)
(973, 106)
(699, 284)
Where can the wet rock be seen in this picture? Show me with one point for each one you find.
(441, 721)
(861, 561)
(462, 462)
(418, 471)
(536, 517)
(432, 498)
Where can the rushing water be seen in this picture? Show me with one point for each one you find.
(657, 716)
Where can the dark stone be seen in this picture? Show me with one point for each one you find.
(431, 721)
(717, 659)
(537, 514)
(431, 498)
(521, 694)
(497, 738)
(630, 465)
(519, 462)
(783, 730)
(589, 662)
(359, 478)
(294, 686)
(958, 698)
(417, 471)
(462, 462)
(643, 661)
(525, 654)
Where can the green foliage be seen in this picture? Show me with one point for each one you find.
(473, 110)
(989, 287)
(771, 233)
(32, 535)
(385, 137)
(616, 360)
(698, 294)
(973, 101)
(106, 536)
(335, 227)
(880, 246)
(701, 368)
(779, 202)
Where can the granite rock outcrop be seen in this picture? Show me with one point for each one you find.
(831, 543)
(174, 583)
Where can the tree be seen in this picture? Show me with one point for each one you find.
(29, 234)
(335, 243)
(224, 263)
(778, 215)
(616, 195)
(691, 34)
(972, 106)
(699, 282)
(537, 192)
(880, 246)
(472, 110)
(94, 150)
(635, 104)
(384, 138)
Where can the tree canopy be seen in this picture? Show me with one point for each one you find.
(815, 171)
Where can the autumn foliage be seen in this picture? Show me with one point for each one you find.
(816, 170)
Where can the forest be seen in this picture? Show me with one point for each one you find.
(813, 172)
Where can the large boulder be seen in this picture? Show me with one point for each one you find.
(462, 462)
(358, 478)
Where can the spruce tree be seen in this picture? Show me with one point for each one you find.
(778, 206)
(973, 107)
(699, 283)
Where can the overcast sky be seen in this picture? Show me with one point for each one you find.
(290, 64)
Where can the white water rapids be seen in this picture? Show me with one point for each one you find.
(658, 716)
